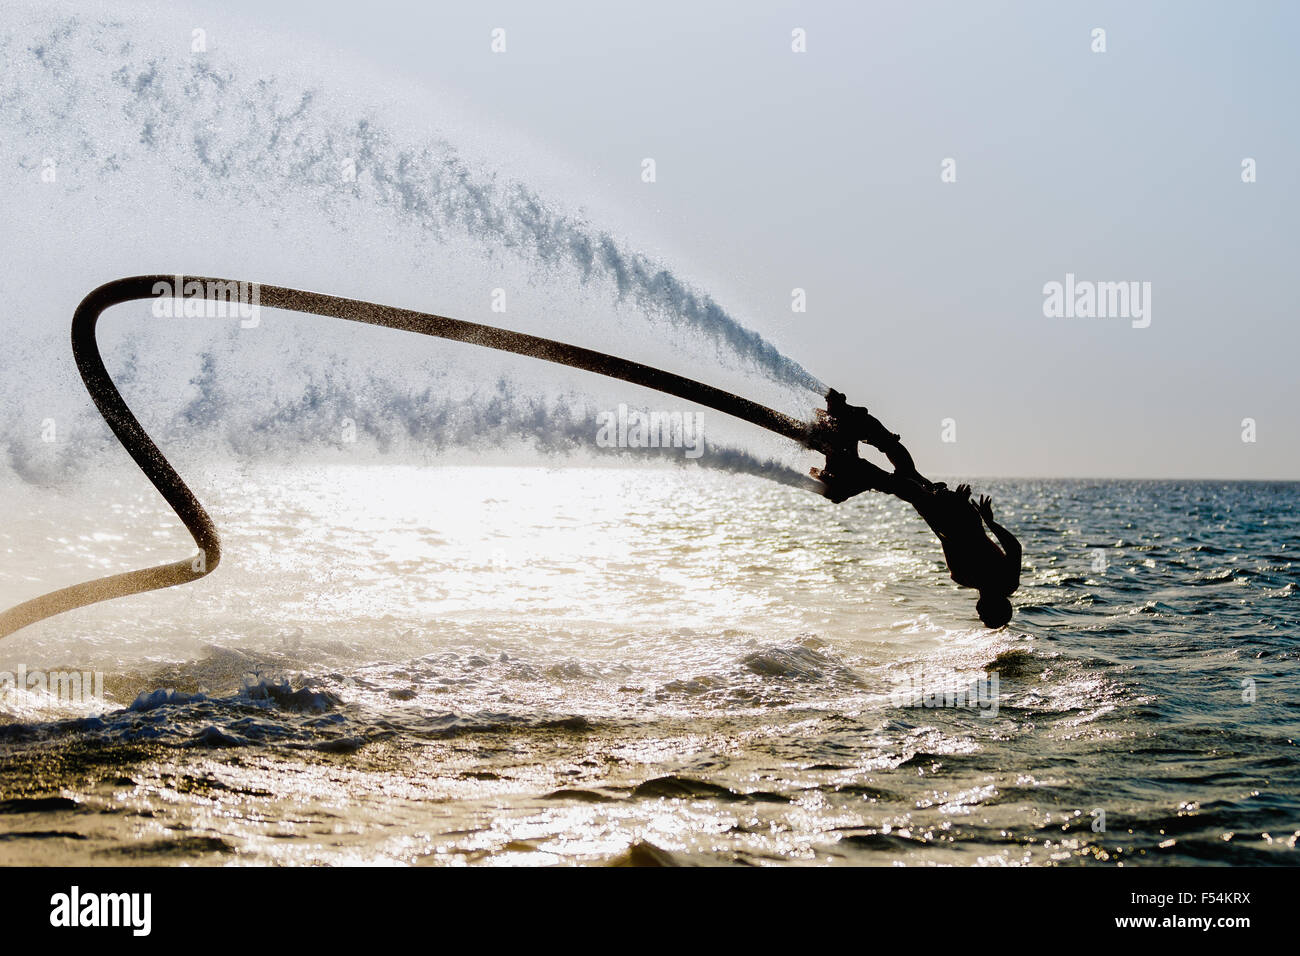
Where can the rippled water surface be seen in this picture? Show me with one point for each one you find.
(522, 665)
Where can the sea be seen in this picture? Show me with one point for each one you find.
(542, 665)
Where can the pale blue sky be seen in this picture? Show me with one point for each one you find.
(821, 170)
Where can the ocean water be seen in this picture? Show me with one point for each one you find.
(538, 665)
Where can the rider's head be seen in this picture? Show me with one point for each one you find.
(994, 609)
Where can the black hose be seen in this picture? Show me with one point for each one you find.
(141, 447)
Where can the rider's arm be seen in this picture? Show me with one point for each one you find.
(984, 508)
(1010, 544)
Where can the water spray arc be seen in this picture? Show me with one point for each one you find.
(182, 500)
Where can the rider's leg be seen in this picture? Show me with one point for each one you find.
(878, 436)
(846, 475)
(857, 423)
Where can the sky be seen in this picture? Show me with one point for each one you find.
(824, 171)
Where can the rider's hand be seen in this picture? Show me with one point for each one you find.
(985, 507)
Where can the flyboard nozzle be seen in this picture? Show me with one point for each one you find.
(835, 432)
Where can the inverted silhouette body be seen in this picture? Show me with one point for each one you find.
(974, 560)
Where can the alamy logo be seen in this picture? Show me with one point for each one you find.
(208, 299)
(633, 429)
(1084, 299)
(74, 908)
(75, 687)
(919, 689)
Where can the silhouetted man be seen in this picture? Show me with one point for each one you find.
(973, 560)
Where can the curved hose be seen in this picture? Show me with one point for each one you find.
(142, 449)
